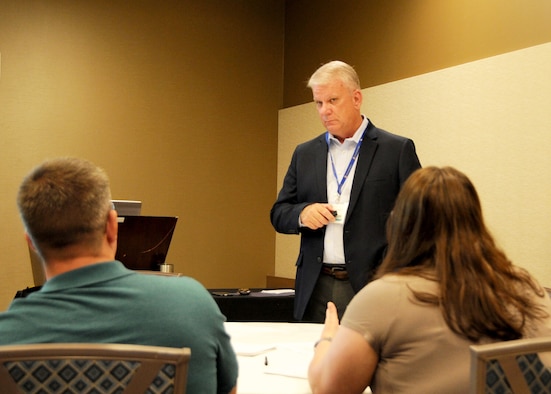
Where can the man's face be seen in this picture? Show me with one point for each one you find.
(338, 108)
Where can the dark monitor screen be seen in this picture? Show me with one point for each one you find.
(143, 241)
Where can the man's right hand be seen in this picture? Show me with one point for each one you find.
(317, 215)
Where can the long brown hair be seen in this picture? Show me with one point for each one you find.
(437, 231)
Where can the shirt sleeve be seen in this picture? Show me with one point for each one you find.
(227, 367)
(373, 311)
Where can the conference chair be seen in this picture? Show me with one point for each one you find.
(92, 368)
(511, 367)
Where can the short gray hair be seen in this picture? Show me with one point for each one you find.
(335, 70)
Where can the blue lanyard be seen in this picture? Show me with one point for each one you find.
(349, 168)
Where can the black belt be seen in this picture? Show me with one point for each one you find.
(335, 271)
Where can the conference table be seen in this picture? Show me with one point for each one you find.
(274, 357)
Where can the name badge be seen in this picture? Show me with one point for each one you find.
(341, 209)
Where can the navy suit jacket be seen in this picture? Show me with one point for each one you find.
(386, 160)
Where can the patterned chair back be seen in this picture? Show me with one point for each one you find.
(511, 367)
(93, 368)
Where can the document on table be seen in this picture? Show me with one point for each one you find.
(251, 349)
(279, 291)
(290, 360)
(273, 293)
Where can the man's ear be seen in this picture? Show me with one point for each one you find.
(358, 98)
(30, 242)
(112, 226)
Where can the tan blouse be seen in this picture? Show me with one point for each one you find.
(418, 353)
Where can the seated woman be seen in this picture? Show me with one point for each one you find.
(443, 286)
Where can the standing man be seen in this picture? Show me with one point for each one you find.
(338, 192)
(65, 205)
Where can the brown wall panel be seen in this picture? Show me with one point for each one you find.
(176, 99)
(391, 40)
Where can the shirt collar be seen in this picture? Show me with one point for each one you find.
(85, 276)
(357, 134)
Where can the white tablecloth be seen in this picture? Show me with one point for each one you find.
(287, 348)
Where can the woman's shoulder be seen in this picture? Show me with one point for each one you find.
(392, 282)
(393, 289)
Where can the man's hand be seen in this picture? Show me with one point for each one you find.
(315, 216)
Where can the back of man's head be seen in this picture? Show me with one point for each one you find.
(64, 202)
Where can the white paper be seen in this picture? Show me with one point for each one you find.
(251, 349)
(287, 362)
(279, 291)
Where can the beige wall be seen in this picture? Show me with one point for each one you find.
(488, 118)
(170, 98)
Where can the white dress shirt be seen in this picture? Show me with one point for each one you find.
(340, 155)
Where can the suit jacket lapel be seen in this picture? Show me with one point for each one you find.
(320, 166)
(367, 152)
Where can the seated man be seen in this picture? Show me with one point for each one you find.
(65, 205)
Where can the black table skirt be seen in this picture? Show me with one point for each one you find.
(255, 306)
